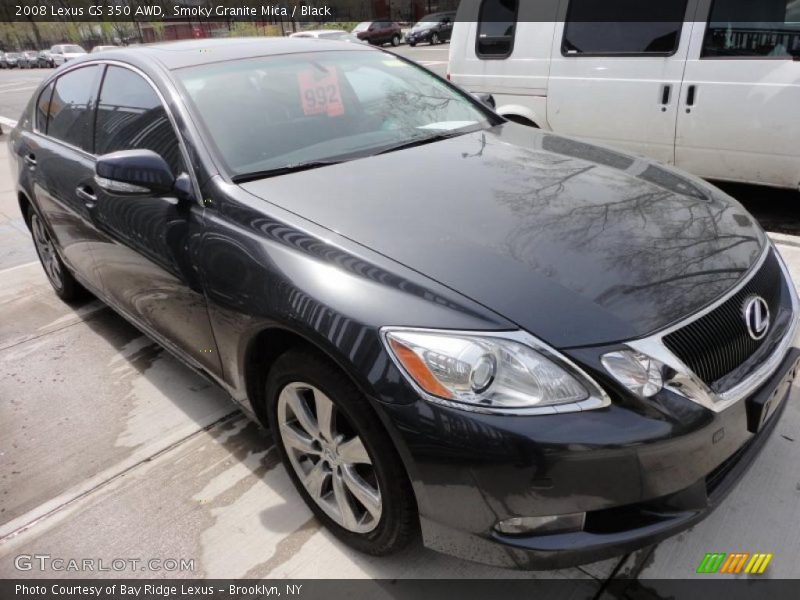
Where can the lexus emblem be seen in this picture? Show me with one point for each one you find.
(756, 316)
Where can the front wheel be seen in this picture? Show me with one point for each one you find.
(412, 44)
(338, 454)
(395, 40)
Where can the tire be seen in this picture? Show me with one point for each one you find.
(64, 284)
(434, 39)
(395, 40)
(303, 381)
(412, 44)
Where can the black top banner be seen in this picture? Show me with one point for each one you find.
(785, 13)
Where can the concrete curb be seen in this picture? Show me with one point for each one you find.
(786, 240)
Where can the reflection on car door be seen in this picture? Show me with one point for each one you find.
(145, 264)
(615, 76)
(740, 105)
(58, 153)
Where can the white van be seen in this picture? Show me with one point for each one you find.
(712, 86)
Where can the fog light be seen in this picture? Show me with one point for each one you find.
(541, 525)
(637, 372)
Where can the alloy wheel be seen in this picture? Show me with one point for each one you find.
(329, 457)
(47, 253)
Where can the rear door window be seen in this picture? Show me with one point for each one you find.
(70, 108)
(623, 27)
(497, 24)
(746, 29)
(43, 108)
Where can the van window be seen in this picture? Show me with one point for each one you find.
(497, 24)
(70, 109)
(623, 27)
(764, 29)
(130, 116)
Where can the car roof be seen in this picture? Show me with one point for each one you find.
(176, 55)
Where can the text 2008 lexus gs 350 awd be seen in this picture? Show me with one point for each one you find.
(533, 351)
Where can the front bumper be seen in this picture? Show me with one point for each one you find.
(640, 472)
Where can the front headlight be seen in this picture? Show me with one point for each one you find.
(488, 371)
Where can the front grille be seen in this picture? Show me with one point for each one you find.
(718, 342)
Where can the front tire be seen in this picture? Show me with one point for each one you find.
(64, 284)
(338, 455)
(395, 40)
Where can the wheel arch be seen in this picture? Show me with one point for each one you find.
(270, 342)
(25, 207)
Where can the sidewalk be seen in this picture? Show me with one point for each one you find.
(110, 448)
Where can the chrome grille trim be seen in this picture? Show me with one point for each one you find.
(687, 384)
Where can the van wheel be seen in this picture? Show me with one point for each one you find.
(395, 40)
(338, 455)
(64, 284)
(434, 38)
(521, 121)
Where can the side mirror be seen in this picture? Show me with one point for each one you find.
(134, 172)
(486, 99)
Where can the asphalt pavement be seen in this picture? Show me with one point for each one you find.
(110, 448)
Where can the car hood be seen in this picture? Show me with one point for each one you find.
(575, 243)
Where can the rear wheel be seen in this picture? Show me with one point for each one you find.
(64, 284)
(338, 454)
(395, 40)
(434, 38)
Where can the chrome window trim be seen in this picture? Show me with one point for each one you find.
(685, 383)
(116, 63)
(598, 398)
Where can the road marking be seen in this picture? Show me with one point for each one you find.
(28, 264)
(22, 89)
(18, 82)
(8, 122)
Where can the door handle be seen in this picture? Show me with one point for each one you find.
(691, 96)
(85, 193)
(30, 158)
(666, 96)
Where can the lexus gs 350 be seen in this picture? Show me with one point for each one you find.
(531, 351)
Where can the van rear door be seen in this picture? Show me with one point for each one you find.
(616, 73)
(739, 116)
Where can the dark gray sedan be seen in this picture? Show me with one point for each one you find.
(533, 351)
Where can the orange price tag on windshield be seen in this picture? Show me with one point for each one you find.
(319, 92)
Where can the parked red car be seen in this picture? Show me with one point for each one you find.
(379, 32)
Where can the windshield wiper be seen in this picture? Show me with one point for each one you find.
(307, 166)
(421, 141)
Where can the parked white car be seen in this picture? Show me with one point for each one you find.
(328, 34)
(707, 85)
(61, 53)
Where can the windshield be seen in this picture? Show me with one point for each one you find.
(424, 25)
(362, 26)
(279, 112)
(74, 50)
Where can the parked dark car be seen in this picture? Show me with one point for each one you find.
(45, 59)
(29, 60)
(379, 32)
(433, 29)
(556, 354)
